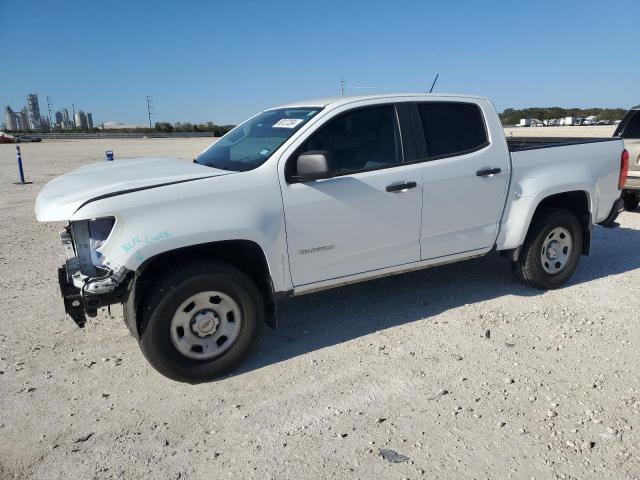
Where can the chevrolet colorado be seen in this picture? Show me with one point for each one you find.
(313, 195)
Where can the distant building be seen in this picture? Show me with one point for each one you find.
(81, 120)
(23, 118)
(33, 109)
(30, 119)
(10, 119)
(66, 120)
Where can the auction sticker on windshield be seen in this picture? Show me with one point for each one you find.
(288, 123)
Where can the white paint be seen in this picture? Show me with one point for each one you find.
(372, 232)
(461, 211)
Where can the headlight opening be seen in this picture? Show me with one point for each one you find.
(99, 231)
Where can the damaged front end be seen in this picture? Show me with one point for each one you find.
(89, 281)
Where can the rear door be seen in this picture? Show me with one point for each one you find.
(465, 177)
(365, 218)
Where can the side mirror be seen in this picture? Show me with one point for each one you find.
(314, 165)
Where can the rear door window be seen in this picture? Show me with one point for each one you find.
(452, 128)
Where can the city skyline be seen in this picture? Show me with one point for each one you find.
(29, 117)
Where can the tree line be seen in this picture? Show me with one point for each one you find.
(218, 130)
(512, 116)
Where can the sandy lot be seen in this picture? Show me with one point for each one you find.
(462, 371)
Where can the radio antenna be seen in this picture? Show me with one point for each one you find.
(434, 82)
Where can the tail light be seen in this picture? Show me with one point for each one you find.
(624, 169)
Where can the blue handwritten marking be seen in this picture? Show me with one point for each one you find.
(136, 241)
(139, 256)
(131, 244)
(155, 238)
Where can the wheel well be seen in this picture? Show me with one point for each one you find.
(576, 202)
(242, 254)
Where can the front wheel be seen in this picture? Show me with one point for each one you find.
(200, 321)
(551, 251)
(631, 200)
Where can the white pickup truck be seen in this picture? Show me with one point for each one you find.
(313, 195)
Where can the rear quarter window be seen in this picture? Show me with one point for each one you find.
(630, 125)
(452, 128)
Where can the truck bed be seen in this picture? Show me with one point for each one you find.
(517, 144)
(587, 165)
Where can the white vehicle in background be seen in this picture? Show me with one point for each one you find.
(530, 122)
(314, 195)
(573, 121)
(629, 131)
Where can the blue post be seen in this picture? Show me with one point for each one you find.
(109, 156)
(19, 158)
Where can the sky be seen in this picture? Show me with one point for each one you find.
(223, 61)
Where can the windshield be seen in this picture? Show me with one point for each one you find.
(251, 143)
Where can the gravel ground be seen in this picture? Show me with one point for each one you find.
(452, 372)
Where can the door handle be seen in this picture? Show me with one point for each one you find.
(397, 187)
(484, 172)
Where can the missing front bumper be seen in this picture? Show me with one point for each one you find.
(73, 303)
(79, 306)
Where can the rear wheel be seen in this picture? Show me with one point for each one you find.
(631, 200)
(552, 249)
(200, 321)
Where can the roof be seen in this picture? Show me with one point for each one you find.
(337, 101)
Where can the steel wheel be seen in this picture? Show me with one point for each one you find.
(198, 322)
(556, 250)
(206, 325)
(551, 251)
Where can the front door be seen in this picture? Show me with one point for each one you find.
(365, 218)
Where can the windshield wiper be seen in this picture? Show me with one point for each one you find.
(211, 164)
(219, 167)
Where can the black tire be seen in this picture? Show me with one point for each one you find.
(158, 307)
(529, 266)
(631, 200)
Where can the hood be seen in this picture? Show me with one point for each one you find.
(62, 196)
